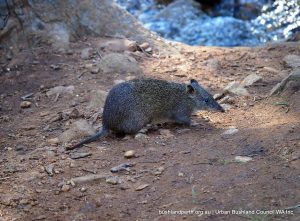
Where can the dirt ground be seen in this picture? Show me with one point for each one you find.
(188, 170)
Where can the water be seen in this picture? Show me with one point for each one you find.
(255, 23)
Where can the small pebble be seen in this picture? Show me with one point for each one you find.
(144, 45)
(53, 141)
(230, 131)
(49, 169)
(113, 180)
(141, 187)
(242, 159)
(65, 188)
(82, 189)
(25, 104)
(129, 154)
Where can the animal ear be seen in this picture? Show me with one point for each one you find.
(190, 89)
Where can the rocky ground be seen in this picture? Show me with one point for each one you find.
(246, 159)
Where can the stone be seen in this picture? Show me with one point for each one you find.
(293, 76)
(49, 169)
(165, 133)
(97, 100)
(250, 80)
(218, 96)
(79, 155)
(115, 63)
(141, 187)
(213, 64)
(119, 81)
(119, 45)
(78, 128)
(242, 159)
(113, 180)
(236, 88)
(141, 136)
(65, 188)
(60, 90)
(230, 131)
(85, 53)
(53, 141)
(25, 104)
(129, 154)
(144, 45)
(95, 70)
(292, 61)
(121, 167)
(159, 171)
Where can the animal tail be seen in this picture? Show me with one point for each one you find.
(97, 136)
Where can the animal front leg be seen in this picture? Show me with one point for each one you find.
(182, 119)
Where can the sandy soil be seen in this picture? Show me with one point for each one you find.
(187, 169)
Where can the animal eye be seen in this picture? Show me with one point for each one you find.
(206, 100)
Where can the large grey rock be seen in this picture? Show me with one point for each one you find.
(78, 128)
(119, 63)
(236, 88)
(250, 79)
(290, 82)
(97, 99)
(292, 60)
(63, 21)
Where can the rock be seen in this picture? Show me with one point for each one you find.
(121, 167)
(159, 171)
(79, 155)
(119, 63)
(78, 128)
(236, 88)
(144, 45)
(251, 79)
(49, 169)
(113, 180)
(60, 90)
(21, 148)
(180, 174)
(292, 61)
(97, 99)
(213, 64)
(148, 50)
(44, 113)
(65, 188)
(74, 113)
(141, 187)
(226, 106)
(184, 130)
(218, 96)
(165, 133)
(118, 81)
(53, 141)
(25, 104)
(95, 70)
(141, 136)
(293, 77)
(242, 159)
(119, 45)
(88, 178)
(129, 154)
(85, 53)
(55, 67)
(83, 189)
(230, 131)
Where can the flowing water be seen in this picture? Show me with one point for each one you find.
(253, 23)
